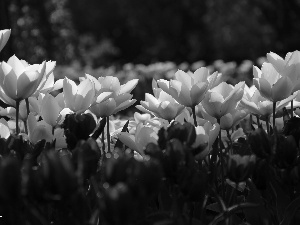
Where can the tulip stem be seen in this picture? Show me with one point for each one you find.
(292, 108)
(103, 142)
(230, 141)
(28, 111)
(17, 116)
(27, 106)
(108, 135)
(274, 109)
(221, 162)
(194, 115)
(257, 119)
(268, 124)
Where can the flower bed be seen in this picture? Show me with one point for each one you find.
(202, 151)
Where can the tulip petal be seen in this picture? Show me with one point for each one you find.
(226, 121)
(129, 86)
(4, 129)
(200, 75)
(124, 105)
(282, 89)
(251, 106)
(16, 65)
(111, 83)
(69, 90)
(276, 61)
(128, 140)
(264, 88)
(198, 92)
(50, 110)
(269, 73)
(212, 104)
(184, 78)
(27, 84)
(144, 136)
(182, 93)
(9, 82)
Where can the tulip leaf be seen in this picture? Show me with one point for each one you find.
(290, 211)
(119, 144)
(259, 214)
(100, 129)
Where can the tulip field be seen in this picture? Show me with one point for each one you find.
(200, 148)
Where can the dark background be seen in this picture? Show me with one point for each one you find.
(108, 32)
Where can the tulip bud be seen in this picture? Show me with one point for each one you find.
(4, 36)
(78, 127)
(259, 143)
(292, 127)
(239, 168)
(85, 157)
(10, 179)
(286, 151)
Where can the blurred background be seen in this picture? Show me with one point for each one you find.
(148, 39)
(98, 33)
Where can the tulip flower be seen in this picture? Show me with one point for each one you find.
(188, 89)
(239, 168)
(206, 135)
(110, 106)
(22, 114)
(112, 97)
(232, 118)
(138, 142)
(18, 80)
(78, 98)
(262, 107)
(49, 109)
(40, 130)
(161, 104)
(4, 129)
(289, 67)
(4, 36)
(222, 99)
(271, 84)
(47, 83)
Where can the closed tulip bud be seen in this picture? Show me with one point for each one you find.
(260, 143)
(10, 179)
(286, 151)
(239, 168)
(4, 36)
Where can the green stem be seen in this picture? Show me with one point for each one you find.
(194, 115)
(292, 108)
(103, 142)
(229, 137)
(25, 126)
(274, 109)
(108, 135)
(221, 162)
(27, 106)
(268, 124)
(257, 119)
(28, 111)
(17, 116)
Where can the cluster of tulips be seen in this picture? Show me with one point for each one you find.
(206, 115)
